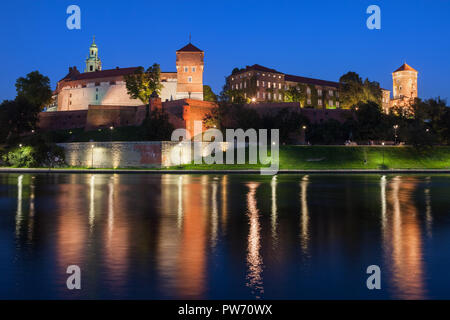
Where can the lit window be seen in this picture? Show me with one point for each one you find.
(257, 94)
(264, 95)
(189, 79)
(319, 102)
(308, 90)
(279, 96)
(257, 83)
(330, 103)
(319, 92)
(309, 101)
(268, 95)
(279, 86)
(330, 92)
(245, 84)
(264, 84)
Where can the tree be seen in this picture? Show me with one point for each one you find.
(17, 116)
(35, 88)
(157, 127)
(296, 94)
(354, 91)
(208, 94)
(141, 84)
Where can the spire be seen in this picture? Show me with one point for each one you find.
(189, 37)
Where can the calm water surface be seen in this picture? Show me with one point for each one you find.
(224, 236)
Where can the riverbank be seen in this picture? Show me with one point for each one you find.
(309, 159)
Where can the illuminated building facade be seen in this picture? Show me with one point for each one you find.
(76, 91)
(260, 84)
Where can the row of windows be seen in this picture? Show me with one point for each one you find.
(186, 69)
(250, 74)
(243, 85)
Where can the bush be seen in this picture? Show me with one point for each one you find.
(21, 157)
(35, 156)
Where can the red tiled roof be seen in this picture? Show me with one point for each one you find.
(405, 67)
(190, 48)
(106, 73)
(289, 77)
(258, 67)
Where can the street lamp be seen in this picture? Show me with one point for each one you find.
(253, 100)
(395, 134)
(110, 132)
(92, 156)
(383, 151)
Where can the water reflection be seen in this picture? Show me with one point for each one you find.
(402, 239)
(254, 258)
(304, 225)
(196, 236)
(274, 213)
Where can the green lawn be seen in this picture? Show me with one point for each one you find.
(342, 157)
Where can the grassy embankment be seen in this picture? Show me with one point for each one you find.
(342, 157)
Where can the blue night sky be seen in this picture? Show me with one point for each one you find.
(322, 39)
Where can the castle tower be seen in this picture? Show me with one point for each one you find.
(404, 81)
(190, 72)
(93, 62)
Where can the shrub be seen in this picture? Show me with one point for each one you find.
(21, 157)
(42, 155)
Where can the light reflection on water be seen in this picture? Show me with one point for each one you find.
(224, 236)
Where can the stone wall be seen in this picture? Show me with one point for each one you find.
(145, 154)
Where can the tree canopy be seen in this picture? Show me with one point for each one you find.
(141, 84)
(208, 94)
(35, 88)
(354, 90)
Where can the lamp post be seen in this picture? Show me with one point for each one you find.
(304, 133)
(395, 134)
(383, 151)
(110, 132)
(92, 156)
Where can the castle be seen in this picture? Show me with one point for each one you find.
(76, 91)
(98, 98)
(404, 85)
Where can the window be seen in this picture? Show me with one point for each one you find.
(112, 82)
(280, 97)
(319, 92)
(70, 95)
(268, 95)
(245, 84)
(264, 95)
(279, 86)
(268, 84)
(189, 79)
(308, 90)
(186, 69)
(97, 84)
(240, 85)
(245, 95)
(90, 68)
(257, 83)
(319, 102)
(330, 92)
(264, 84)
(308, 101)
(337, 104)
(96, 97)
(193, 69)
(330, 103)
(257, 94)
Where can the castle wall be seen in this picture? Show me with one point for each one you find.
(105, 93)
